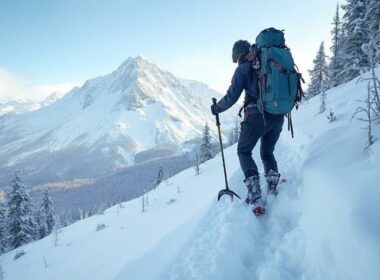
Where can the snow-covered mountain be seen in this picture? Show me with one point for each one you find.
(324, 223)
(100, 126)
(23, 106)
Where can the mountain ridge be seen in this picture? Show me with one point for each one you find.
(109, 119)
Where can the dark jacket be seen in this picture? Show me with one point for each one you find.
(244, 78)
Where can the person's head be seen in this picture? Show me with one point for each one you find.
(239, 49)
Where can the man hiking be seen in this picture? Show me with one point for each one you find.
(256, 125)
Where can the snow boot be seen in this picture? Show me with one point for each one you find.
(272, 177)
(254, 194)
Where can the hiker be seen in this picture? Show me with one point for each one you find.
(255, 125)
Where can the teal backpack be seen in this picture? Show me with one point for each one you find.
(279, 82)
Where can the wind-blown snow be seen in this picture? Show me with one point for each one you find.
(322, 225)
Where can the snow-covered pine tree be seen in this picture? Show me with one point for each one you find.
(41, 225)
(336, 63)
(197, 168)
(147, 198)
(206, 147)
(234, 134)
(322, 107)
(373, 19)
(48, 212)
(143, 203)
(3, 233)
(319, 73)
(356, 34)
(21, 224)
(159, 178)
(231, 138)
(372, 51)
(56, 231)
(44, 217)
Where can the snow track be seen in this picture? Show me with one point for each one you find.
(231, 243)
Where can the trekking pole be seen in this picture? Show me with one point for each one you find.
(226, 190)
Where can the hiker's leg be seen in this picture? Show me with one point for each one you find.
(252, 128)
(268, 143)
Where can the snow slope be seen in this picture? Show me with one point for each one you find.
(323, 224)
(99, 127)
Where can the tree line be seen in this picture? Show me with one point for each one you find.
(355, 50)
(20, 223)
(359, 25)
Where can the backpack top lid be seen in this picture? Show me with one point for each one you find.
(270, 37)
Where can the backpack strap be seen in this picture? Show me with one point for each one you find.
(300, 92)
(248, 101)
(245, 105)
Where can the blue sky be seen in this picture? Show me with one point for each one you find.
(55, 44)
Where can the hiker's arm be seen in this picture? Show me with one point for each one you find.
(234, 91)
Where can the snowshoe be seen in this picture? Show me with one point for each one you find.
(258, 208)
(272, 178)
(254, 195)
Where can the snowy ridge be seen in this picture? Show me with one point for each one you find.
(108, 120)
(138, 92)
(322, 225)
(23, 106)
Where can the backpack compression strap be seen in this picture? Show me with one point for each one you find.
(247, 101)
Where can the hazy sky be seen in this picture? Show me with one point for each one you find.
(48, 45)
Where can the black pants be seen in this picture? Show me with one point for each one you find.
(253, 129)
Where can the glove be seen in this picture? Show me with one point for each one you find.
(214, 109)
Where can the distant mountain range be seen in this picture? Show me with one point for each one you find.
(98, 128)
(23, 106)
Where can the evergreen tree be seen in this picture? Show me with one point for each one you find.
(143, 203)
(356, 34)
(231, 138)
(48, 212)
(3, 234)
(372, 51)
(319, 73)
(336, 63)
(373, 19)
(322, 107)
(21, 224)
(160, 177)
(197, 168)
(41, 225)
(56, 231)
(206, 147)
(234, 134)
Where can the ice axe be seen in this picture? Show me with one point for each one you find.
(226, 191)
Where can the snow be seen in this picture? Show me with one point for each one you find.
(152, 104)
(322, 225)
(25, 105)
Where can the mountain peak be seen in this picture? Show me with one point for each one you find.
(135, 67)
(140, 57)
(137, 62)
